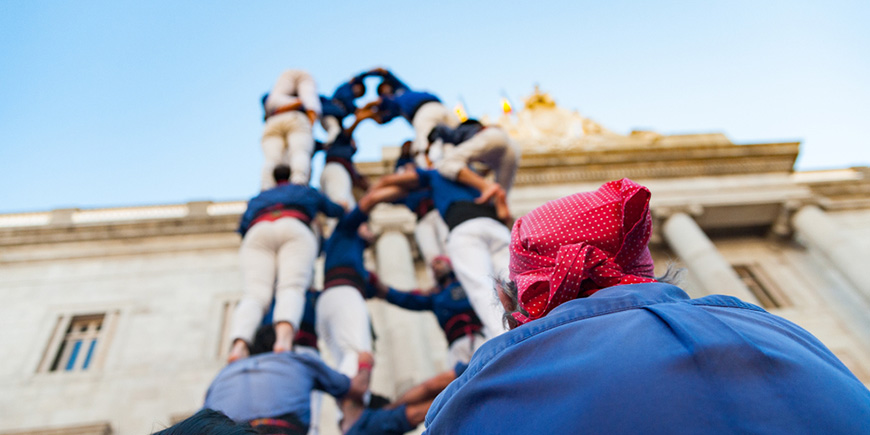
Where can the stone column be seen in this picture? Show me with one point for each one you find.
(402, 338)
(712, 271)
(821, 233)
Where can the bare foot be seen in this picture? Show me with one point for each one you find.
(501, 209)
(283, 337)
(491, 192)
(238, 351)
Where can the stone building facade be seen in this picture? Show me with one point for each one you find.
(115, 320)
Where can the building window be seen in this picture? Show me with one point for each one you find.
(78, 343)
(767, 293)
(76, 352)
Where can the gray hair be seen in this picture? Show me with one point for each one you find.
(673, 275)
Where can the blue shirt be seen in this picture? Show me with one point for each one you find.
(645, 358)
(345, 247)
(272, 384)
(447, 303)
(343, 95)
(304, 198)
(398, 86)
(341, 148)
(445, 191)
(330, 108)
(404, 104)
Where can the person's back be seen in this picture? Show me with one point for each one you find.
(644, 358)
(270, 385)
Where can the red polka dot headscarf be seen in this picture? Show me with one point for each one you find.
(574, 246)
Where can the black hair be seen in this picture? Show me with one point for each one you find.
(361, 84)
(472, 121)
(264, 340)
(208, 421)
(281, 173)
(377, 401)
(381, 90)
(433, 134)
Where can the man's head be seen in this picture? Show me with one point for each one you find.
(472, 121)
(358, 88)
(385, 89)
(406, 148)
(574, 246)
(208, 421)
(281, 173)
(441, 267)
(264, 340)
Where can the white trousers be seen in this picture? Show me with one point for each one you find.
(491, 146)
(343, 324)
(431, 236)
(427, 117)
(278, 254)
(462, 349)
(292, 86)
(287, 139)
(332, 125)
(478, 249)
(337, 184)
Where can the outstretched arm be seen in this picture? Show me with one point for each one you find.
(389, 188)
(489, 191)
(366, 112)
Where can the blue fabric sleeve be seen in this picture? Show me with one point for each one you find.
(351, 222)
(388, 110)
(245, 223)
(444, 133)
(325, 378)
(394, 81)
(330, 208)
(409, 301)
(423, 178)
(460, 368)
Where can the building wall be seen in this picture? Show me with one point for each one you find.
(161, 353)
(168, 284)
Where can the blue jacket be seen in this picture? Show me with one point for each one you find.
(343, 95)
(445, 191)
(304, 198)
(271, 385)
(344, 255)
(404, 104)
(399, 86)
(447, 304)
(330, 108)
(341, 148)
(644, 358)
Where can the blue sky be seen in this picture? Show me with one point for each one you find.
(106, 103)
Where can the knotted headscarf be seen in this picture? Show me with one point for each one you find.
(574, 246)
